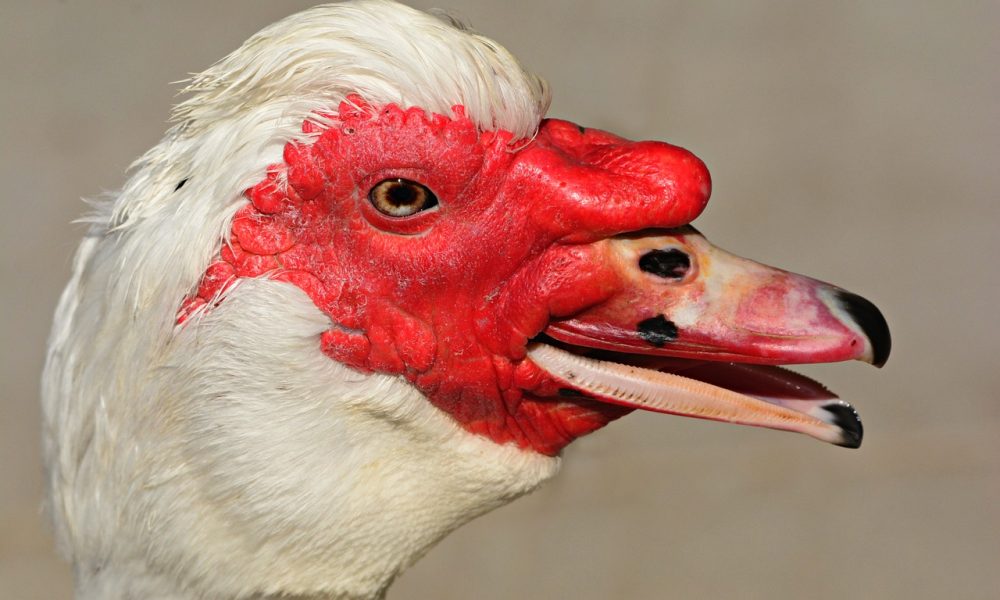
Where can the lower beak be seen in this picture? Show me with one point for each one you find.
(695, 331)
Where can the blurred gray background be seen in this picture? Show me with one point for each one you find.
(855, 142)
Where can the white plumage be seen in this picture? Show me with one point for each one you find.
(229, 458)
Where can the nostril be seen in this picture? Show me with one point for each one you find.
(669, 264)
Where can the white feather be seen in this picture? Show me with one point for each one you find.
(230, 457)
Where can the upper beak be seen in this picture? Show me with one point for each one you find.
(684, 297)
(690, 308)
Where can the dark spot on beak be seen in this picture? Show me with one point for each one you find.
(180, 184)
(871, 321)
(668, 264)
(658, 330)
(845, 417)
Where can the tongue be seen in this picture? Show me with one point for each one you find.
(755, 395)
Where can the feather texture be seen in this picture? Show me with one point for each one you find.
(163, 443)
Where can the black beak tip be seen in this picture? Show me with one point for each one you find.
(849, 421)
(871, 321)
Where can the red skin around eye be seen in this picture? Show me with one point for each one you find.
(447, 298)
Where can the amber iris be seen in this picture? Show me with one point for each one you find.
(401, 197)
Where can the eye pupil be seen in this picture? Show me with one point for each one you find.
(401, 194)
(401, 197)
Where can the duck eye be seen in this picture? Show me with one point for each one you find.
(401, 197)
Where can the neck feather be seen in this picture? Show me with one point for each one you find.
(235, 474)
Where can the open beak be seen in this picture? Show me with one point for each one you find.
(697, 331)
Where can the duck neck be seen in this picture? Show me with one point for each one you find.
(297, 478)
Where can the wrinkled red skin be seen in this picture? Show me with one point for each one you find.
(449, 297)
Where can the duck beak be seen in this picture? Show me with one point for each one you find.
(697, 331)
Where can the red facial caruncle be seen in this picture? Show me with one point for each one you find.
(441, 252)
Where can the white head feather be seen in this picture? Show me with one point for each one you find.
(231, 457)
